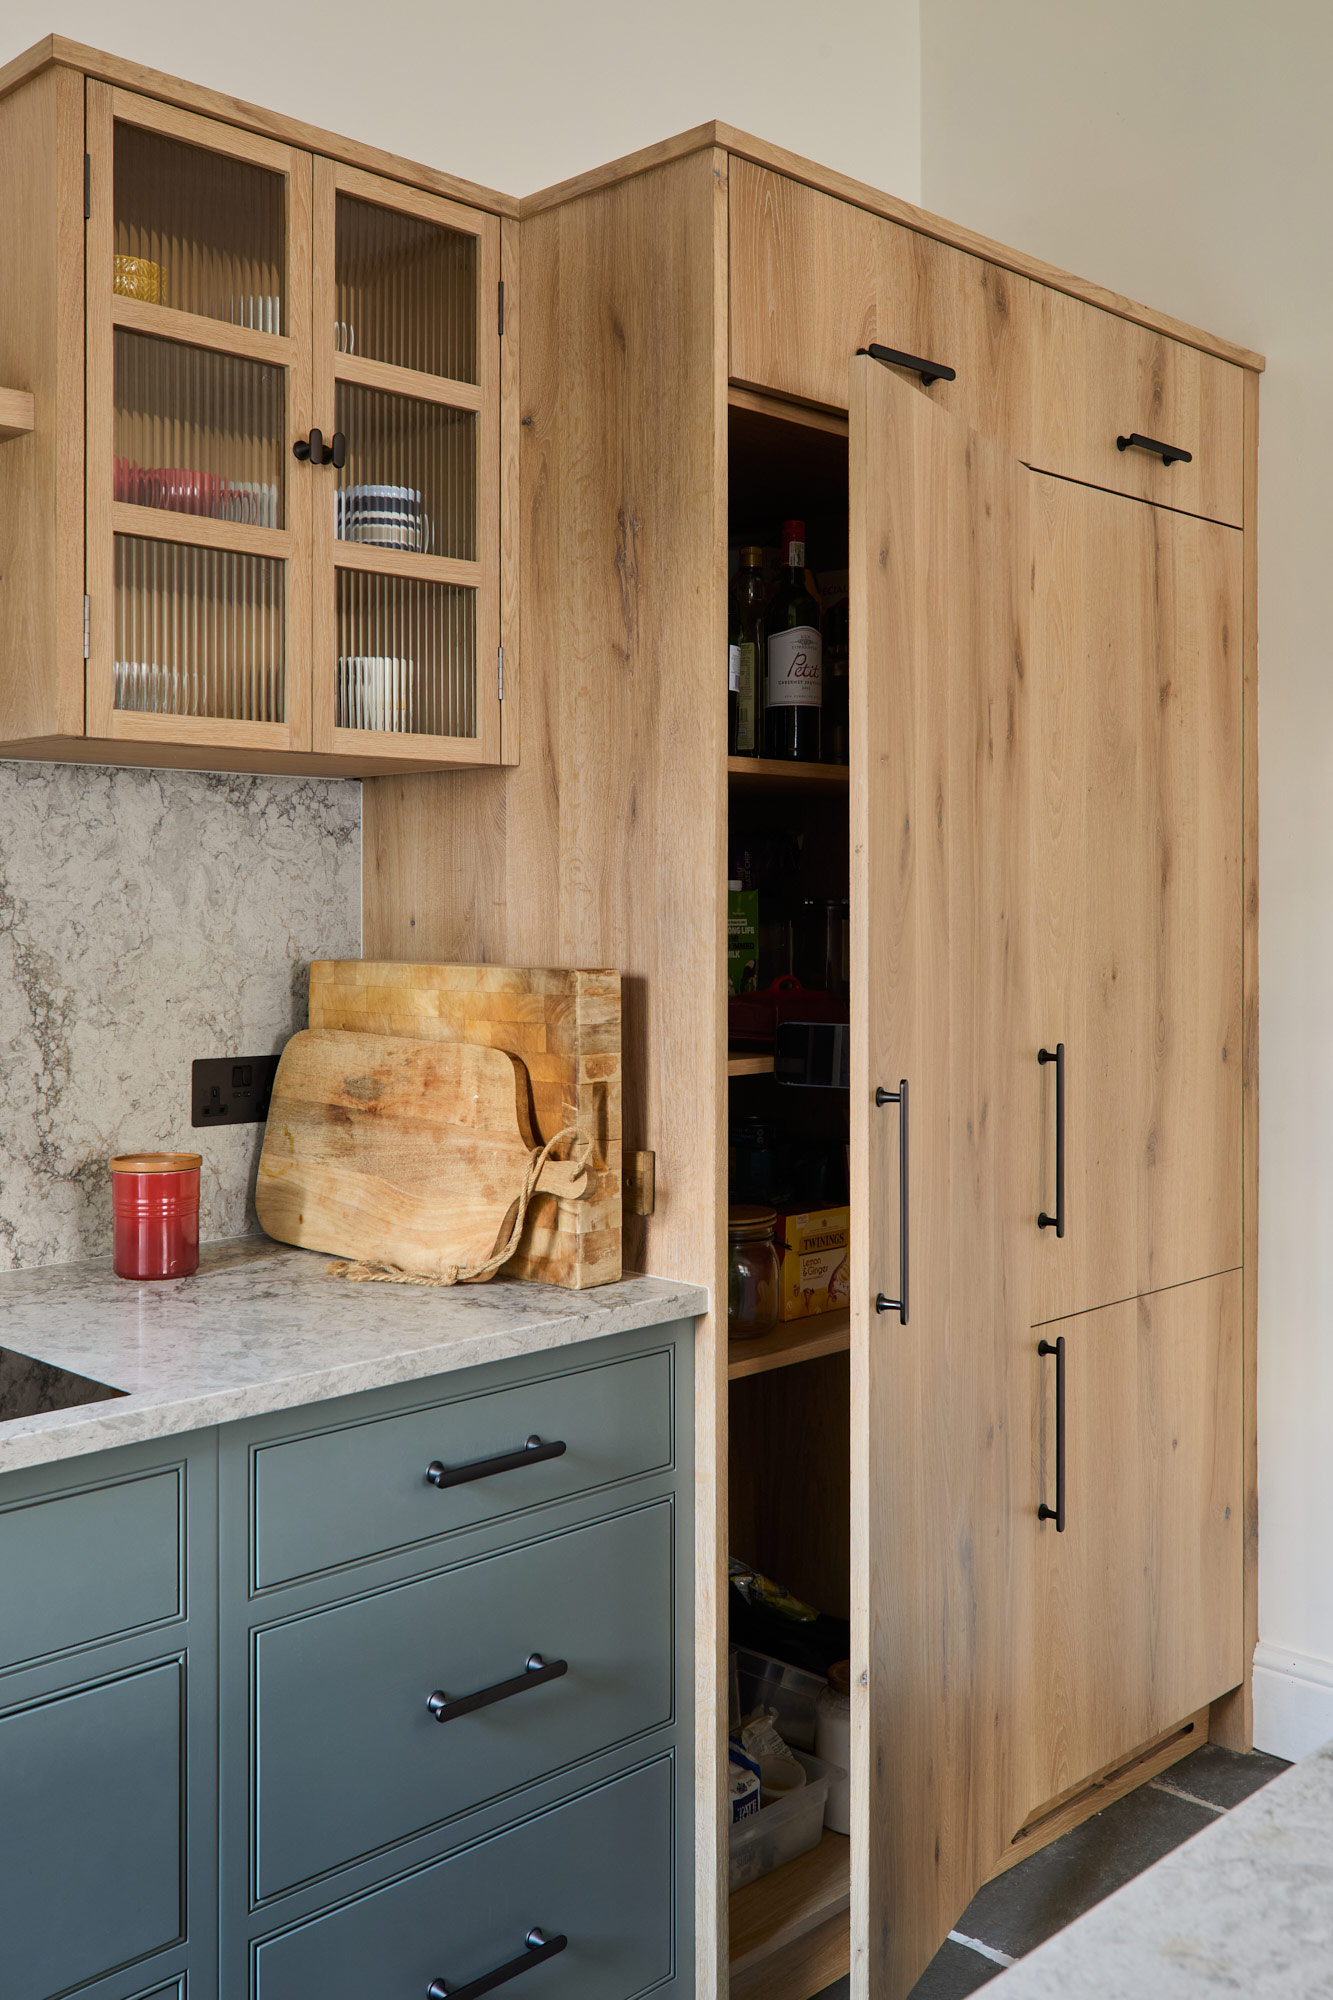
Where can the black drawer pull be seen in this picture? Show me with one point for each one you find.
(883, 1303)
(539, 1946)
(311, 450)
(1057, 1513)
(1056, 1221)
(535, 1673)
(1170, 454)
(533, 1452)
(929, 371)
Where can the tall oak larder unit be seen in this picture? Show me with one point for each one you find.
(1022, 1460)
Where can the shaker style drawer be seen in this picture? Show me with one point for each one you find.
(592, 1877)
(1097, 378)
(350, 1754)
(341, 1495)
(80, 1567)
(813, 279)
(90, 1848)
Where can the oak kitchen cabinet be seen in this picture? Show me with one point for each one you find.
(1043, 498)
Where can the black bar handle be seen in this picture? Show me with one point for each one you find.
(1170, 454)
(535, 1674)
(1057, 1221)
(537, 1947)
(882, 1303)
(533, 1452)
(1057, 1513)
(929, 371)
(311, 450)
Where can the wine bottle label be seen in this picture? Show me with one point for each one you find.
(794, 555)
(795, 668)
(733, 669)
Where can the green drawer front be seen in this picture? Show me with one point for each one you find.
(90, 1847)
(80, 1567)
(596, 1870)
(346, 1494)
(349, 1757)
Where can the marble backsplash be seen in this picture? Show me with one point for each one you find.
(146, 918)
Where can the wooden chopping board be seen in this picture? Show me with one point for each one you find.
(397, 1151)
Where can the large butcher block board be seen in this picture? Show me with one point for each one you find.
(398, 1151)
(564, 1027)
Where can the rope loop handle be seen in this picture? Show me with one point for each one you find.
(362, 1272)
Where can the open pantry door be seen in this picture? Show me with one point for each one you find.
(944, 1126)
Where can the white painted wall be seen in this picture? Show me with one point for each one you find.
(1182, 150)
(518, 94)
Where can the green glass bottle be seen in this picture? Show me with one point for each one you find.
(745, 651)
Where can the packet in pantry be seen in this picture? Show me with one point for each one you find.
(813, 1248)
(742, 938)
(743, 1783)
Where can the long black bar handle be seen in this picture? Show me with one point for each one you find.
(533, 1452)
(1057, 1221)
(535, 1674)
(898, 1097)
(1170, 454)
(537, 1947)
(929, 371)
(1057, 1513)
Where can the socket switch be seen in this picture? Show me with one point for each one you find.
(231, 1090)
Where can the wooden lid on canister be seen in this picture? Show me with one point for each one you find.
(156, 1163)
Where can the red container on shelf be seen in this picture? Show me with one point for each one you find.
(155, 1205)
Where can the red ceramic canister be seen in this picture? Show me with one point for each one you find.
(155, 1204)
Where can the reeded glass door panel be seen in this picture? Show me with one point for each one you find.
(199, 231)
(410, 481)
(198, 432)
(406, 291)
(199, 632)
(407, 656)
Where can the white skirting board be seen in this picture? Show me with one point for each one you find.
(1293, 1701)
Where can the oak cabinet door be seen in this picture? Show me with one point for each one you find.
(1135, 680)
(944, 1504)
(1138, 1599)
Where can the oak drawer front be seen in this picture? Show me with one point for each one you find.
(349, 1758)
(813, 279)
(342, 1495)
(90, 1846)
(1097, 378)
(596, 1871)
(91, 1565)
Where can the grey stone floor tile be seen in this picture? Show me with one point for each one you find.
(1039, 1896)
(1223, 1777)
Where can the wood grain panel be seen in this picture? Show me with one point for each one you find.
(18, 413)
(784, 1926)
(1139, 1602)
(789, 1478)
(941, 1407)
(1136, 676)
(41, 353)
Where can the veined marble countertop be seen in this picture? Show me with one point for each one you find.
(264, 1327)
(1246, 1907)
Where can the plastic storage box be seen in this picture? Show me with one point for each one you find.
(790, 1691)
(783, 1830)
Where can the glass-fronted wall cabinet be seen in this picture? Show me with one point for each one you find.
(290, 451)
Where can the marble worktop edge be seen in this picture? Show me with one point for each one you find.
(262, 1327)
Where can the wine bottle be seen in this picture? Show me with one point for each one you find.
(745, 650)
(795, 662)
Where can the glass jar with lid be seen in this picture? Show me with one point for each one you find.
(753, 1271)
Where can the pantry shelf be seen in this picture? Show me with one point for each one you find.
(802, 1897)
(17, 413)
(796, 1340)
(749, 1065)
(769, 774)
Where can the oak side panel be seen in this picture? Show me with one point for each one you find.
(943, 1512)
(1233, 1718)
(1136, 686)
(41, 351)
(511, 511)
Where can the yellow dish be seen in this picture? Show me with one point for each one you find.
(137, 278)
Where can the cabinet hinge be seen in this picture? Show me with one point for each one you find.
(502, 306)
(87, 185)
(86, 625)
(500, 670)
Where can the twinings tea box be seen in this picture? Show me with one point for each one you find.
(813, 1249)
(742, 938)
